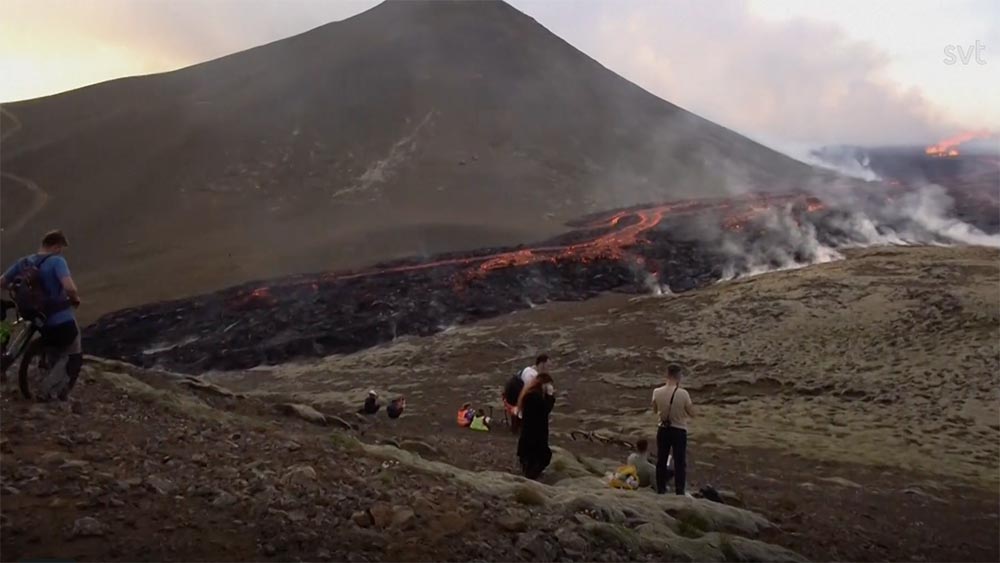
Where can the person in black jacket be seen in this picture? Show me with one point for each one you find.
(395, 408)
(371, 405)
(535, 404)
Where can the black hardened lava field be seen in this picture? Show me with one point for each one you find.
(671, 247)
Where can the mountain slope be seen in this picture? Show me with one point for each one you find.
(411, 128)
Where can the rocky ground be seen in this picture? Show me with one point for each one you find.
(151, 466)
(849, 407)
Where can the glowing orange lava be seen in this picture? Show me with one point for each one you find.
(611, 245)
(947, 147)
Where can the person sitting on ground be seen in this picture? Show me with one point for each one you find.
(396, 407)
(640, 460)
(535, 406)
(371, 405)
(465, 415)
(481, 422)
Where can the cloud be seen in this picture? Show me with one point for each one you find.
(48, 46)
(804, 81)
(786, 82)
(795, 82)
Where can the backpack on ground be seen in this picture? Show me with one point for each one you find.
(512, 391)
(28, 292)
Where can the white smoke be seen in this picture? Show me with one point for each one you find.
(852, 167)
(655, 287)
(783, 242)
(784, 239)
(928, 208)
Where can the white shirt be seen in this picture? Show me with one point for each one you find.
(528, 375)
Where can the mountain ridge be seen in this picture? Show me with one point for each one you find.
(411, 128)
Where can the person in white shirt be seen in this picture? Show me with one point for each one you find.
(674, 407)
(529, 373)
(512, 392)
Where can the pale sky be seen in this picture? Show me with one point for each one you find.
(791, 73)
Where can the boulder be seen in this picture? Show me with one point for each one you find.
(448, 524)
(512, 522)
(841, 481)
(87, 527)
(362, 518)
(403, 517)
(224, 499)
(88, 437)
(419, 447)
(535, 545)
(305, 412)
(731, 498)
(571, 541)
(592, 507)
(529, 495)
(917, 492)
(382, 514)
(74, 465)
(160, 484)
(199, 384)
(300, 476)
(338, 422)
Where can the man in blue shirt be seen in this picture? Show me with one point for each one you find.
(60, 329)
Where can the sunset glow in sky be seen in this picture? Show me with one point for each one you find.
(786, 72)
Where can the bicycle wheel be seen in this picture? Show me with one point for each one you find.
(15, 345)
(34, 368)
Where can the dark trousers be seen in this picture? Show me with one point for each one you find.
(515, 424)
(671, 440)
(60, 337)
(533, 466)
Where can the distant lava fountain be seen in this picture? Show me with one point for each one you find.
(949, 147)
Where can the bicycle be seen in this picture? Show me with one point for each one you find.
(596, 435)
(42, 373)
(39, 362)
(14, 336)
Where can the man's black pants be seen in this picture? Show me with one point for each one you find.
(671, 440)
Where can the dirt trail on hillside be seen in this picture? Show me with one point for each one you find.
(38, 195)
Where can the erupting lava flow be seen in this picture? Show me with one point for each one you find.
(674, 246)
(613, 236)
(321, 314)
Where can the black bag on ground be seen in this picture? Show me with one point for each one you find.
(708, 492)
